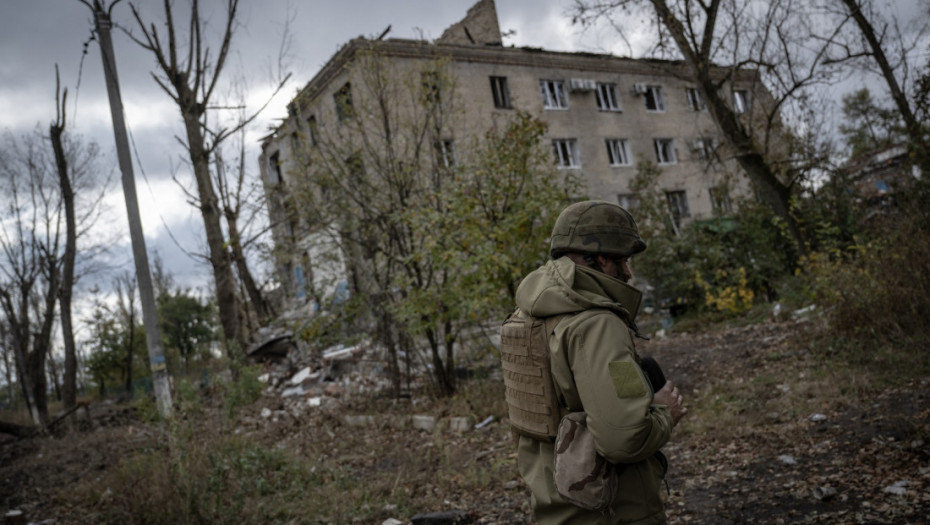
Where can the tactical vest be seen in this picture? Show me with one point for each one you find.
(532, 405)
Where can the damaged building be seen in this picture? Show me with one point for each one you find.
(605, 114)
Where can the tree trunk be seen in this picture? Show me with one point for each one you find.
(900, 100)
(773, 192)
(68, 393)
(255, 294)
(226, 298)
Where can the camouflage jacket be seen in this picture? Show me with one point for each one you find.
(595, 369)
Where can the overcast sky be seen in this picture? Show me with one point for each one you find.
(37, 34)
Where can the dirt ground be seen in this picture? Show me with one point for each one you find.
(770, 439)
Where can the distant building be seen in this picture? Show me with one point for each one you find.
(880, 173)
(605, 115)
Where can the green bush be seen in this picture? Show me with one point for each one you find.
(722, 265)
(877, 290)
(242, 391)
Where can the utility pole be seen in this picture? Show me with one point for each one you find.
(143, 275)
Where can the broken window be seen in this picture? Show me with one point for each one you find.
(566, 153)
(553, 94)
(431, 91)
(445, 153)
(618, 151)
(274, 165)
(665, 151)
(720, 200)
(695, 100)
(500, 92)
(627, 201)
(704, 148)
(312, 130)
(677, 206)
(654, 99)
(343, 100)
(607, 97)
(741, 101)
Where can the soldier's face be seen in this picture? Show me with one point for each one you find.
(618, 268)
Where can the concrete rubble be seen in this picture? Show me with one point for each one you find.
(304, 381)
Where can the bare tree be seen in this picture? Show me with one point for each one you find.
(241, 200)
(29, 263)
(874, 47)
(56, 130)
(126, 287)
(190, 78)
(773, 43)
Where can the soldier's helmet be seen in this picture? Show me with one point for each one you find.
(595, 228)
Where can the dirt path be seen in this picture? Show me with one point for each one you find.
(787, 445)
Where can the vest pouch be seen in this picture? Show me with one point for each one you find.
(582, 476)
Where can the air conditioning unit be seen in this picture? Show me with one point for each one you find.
(640, 89)
(581, 84)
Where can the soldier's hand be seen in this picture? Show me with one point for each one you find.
(670, 397)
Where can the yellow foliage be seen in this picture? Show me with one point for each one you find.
(734, 298)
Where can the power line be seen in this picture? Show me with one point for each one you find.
(189, 254)
(77, 88)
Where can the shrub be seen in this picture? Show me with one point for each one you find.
(242, 391)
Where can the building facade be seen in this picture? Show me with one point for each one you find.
(605, 115)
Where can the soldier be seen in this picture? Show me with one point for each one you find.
(568, 351)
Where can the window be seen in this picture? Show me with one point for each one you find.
(627, 201)
(695, 100)
(566, 153)
(677, 206)
(720, 200)
(653, 98)
(607, 97)
(445, 153)
(500, 92)
(295, 143)
(343, 100)
(430, 81)
(553, 94)
(741, 101)
(665, 151)
(274, 163)
(618, 151)
(704, 148)
(313, 131)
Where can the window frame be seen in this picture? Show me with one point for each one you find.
(695, 99)
(445, 152)
(677, 202)
(500, 92)
(742, 102)
(720, 204)
(274, 162)
(342, 99)
(628, 201)
(566, 150)
(607, 98)
(654, 93)
(553, 94)
(618, 148)
(706, 148)
(665, 151)
(313, 130)
(431, 83)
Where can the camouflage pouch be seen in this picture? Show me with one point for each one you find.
(582, 476)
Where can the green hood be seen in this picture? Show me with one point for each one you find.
(562, 287)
